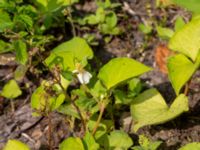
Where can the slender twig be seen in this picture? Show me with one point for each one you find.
(71, 20)
(102, 108)
(80, 115)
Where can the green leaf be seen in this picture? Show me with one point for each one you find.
(20, 72)
(58, 102)
(21, 52)
(111, 19)
(191, 146)
(96, 19)
(180, 70)
(71, 143)
(150, 108)
(164, 33)
(54, 5)
(119, 140)
(41, 99)
(191, 5)
(11, 90)
(179, 24)
(5, 21)
(146, 29)
(187, 39)
(89, 142)
(15, 145)
(120, 69)
(25, 20)
(69, 53)
(146, 144)
(5, 47)
(121, 97)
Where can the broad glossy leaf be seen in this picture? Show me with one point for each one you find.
(21, 52)
(180, 70)
(11, 90)
(89, 142)
(191, 146)
(187, 39)
(120, 69)
(150, 108)
(119, 140)
(192, 5)
(69, 53)
(71, 143)
(15, 145)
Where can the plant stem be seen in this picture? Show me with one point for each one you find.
(186, 89)
(71, 21)
(12, 105)
(102, 108)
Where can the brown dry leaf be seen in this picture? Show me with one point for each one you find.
(161, 54)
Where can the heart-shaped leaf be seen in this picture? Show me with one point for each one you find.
(11, 90)
(150, 108)
(180, 70)
(71, 143)
(119, 140)
(187, 39)
(16, 145)
(69, 53)
(119, 70)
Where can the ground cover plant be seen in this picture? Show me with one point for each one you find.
(62, 87)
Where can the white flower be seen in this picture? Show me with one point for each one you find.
(83, 76)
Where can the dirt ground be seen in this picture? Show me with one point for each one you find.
(184, 129)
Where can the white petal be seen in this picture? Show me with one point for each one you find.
(84, 77)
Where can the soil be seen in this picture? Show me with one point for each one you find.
(133, 43)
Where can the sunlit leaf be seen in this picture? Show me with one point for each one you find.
(150, 108)
(191, 146)
(187, 39)
(11, 90)
(71, 143)
(15, 145)
(119, 140)
(69, 53)
(180, 70)
(120, 69)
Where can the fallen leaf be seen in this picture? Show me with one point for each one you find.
(162, 52)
